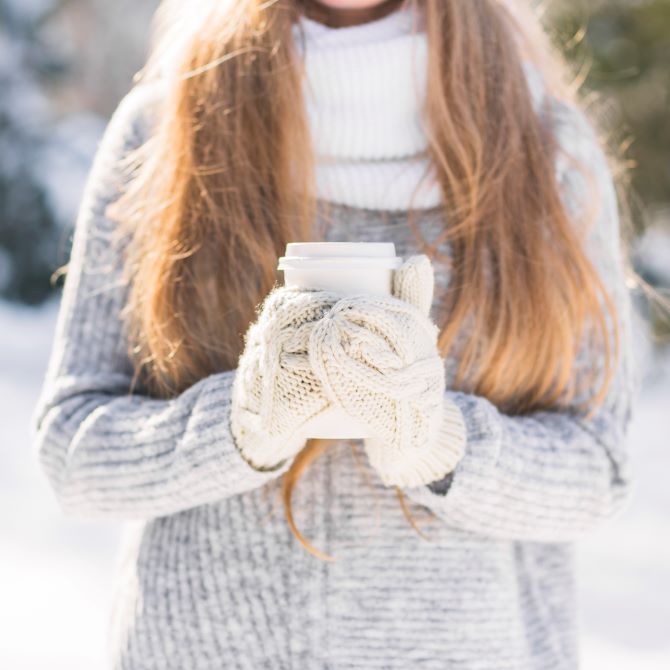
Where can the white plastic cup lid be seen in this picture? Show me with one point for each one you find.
(339, 255)
(339, 249)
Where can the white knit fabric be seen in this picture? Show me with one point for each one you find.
(374, 356)
(364, 86)
(377, 358)
(275, 391)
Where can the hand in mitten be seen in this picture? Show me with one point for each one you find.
(275, 391)
(377, 357)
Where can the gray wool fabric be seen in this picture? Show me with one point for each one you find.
(211, 576)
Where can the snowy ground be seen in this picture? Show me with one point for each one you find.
(55, 573)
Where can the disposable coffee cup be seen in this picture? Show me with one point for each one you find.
(346, 268)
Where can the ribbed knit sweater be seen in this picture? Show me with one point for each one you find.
(363, 92)
(212, 576)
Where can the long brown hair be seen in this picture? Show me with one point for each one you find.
(226, 180)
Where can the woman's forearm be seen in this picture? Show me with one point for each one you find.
(111, 454)
(107, 452)
(548, 476)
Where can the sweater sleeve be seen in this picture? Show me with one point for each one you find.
(551, 475)
(108, 452)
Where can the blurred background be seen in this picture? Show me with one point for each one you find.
(64, 64)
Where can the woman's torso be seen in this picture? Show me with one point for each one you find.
(228, 585)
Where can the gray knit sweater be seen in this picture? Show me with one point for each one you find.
(211, 575)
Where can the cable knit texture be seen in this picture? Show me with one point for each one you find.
(377, 357)
(374, 356)
(210, 574)
(275, 391)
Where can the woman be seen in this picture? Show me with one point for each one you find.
(437, 125)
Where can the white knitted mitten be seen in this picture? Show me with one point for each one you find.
(377, 357)
(274, 390)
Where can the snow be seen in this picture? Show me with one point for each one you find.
(56, 573)
(624, 569)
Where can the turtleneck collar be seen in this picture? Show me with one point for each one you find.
(364, 87)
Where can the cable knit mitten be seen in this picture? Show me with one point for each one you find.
(274, 390)
(377, 357)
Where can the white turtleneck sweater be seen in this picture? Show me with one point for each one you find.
(364, 86)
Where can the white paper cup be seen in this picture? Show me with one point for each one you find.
(345, 268)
